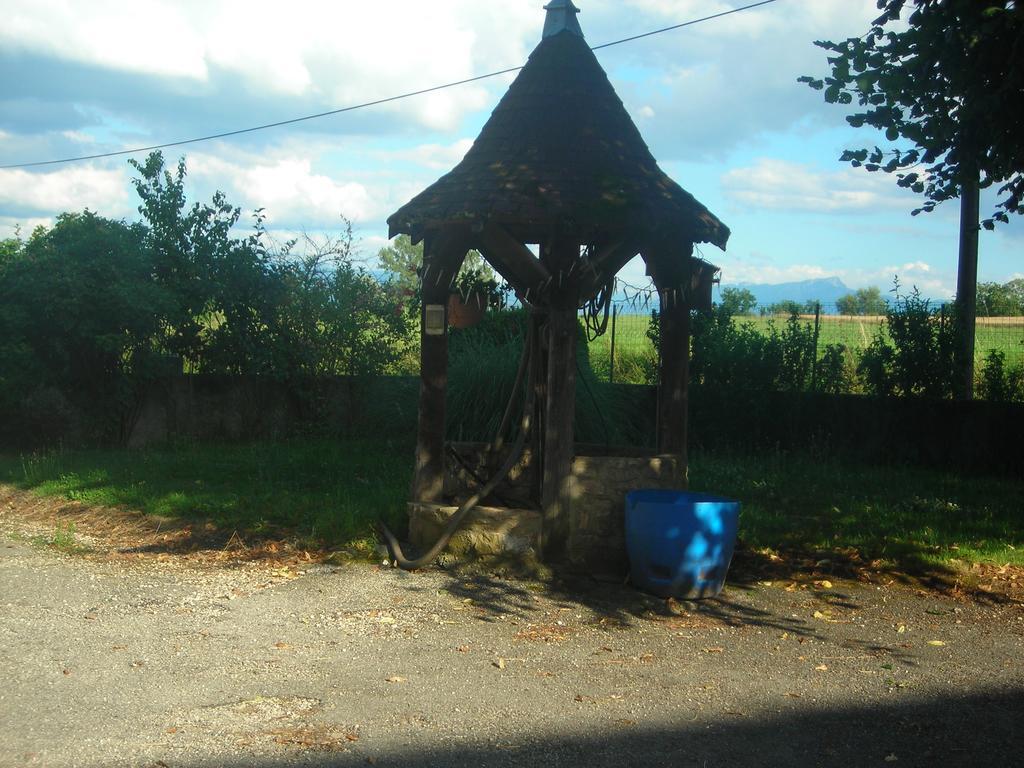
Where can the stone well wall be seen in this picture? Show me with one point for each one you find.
(598, 486)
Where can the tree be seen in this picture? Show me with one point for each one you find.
(785, 307)
(1007, 300)
(949, 80)
(738, 301)
(865, 301)
(403, 260)
(78, 314)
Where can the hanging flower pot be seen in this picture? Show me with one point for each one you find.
(466, 311)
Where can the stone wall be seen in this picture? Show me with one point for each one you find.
(598, 487)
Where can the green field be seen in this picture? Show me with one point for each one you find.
(631, 343)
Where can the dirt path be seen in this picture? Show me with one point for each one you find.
(157, 661)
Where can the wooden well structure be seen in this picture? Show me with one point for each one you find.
(561, 171)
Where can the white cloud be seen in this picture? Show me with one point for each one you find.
(738, 271)
(334, 54)
(436, 157)
(145, 36)
(911, 268)
(729, 81)
(292, 193)
(745, 24)
(782, 185)
(12, 226)
(755, 269)
(68, 189)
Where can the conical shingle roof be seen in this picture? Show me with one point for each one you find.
(560, 146)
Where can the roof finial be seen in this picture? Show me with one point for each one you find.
(561, 18)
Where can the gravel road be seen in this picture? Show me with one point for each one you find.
(112, 662)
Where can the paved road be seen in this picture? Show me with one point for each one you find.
(113, 662)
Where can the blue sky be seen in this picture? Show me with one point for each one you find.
(718, 104)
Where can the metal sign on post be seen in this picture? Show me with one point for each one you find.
(434, 320)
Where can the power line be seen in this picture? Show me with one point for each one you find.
(367, 104)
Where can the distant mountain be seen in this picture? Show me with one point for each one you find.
(827, 290)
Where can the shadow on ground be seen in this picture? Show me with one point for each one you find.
(981, 729)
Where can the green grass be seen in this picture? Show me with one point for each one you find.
(322, 491)
(910, 518)
(63, 539)
(329, 493)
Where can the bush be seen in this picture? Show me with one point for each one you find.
(914, 356)
(999, 383)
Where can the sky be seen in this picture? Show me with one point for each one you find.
(718, 104)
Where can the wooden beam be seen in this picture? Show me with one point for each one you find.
(513, 260)
(604, 265)
(444, 253)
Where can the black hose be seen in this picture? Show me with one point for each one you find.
(456, 519)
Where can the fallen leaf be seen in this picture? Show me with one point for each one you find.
(936, 642)
(394, 679)
(171, 730)
(824, 584)
(500, 663)
(794, 695)
(281, 645)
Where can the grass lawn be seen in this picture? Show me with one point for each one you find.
(327, 494)
(319, 492)
(910, 519)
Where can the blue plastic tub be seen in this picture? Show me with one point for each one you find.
(680, 543)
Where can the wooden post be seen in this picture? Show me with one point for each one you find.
(559, 255)
(559, 410)
(671, 266)
(611, 351)
(442, 258)
(673, 395)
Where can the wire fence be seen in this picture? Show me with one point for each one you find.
(626, 353)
